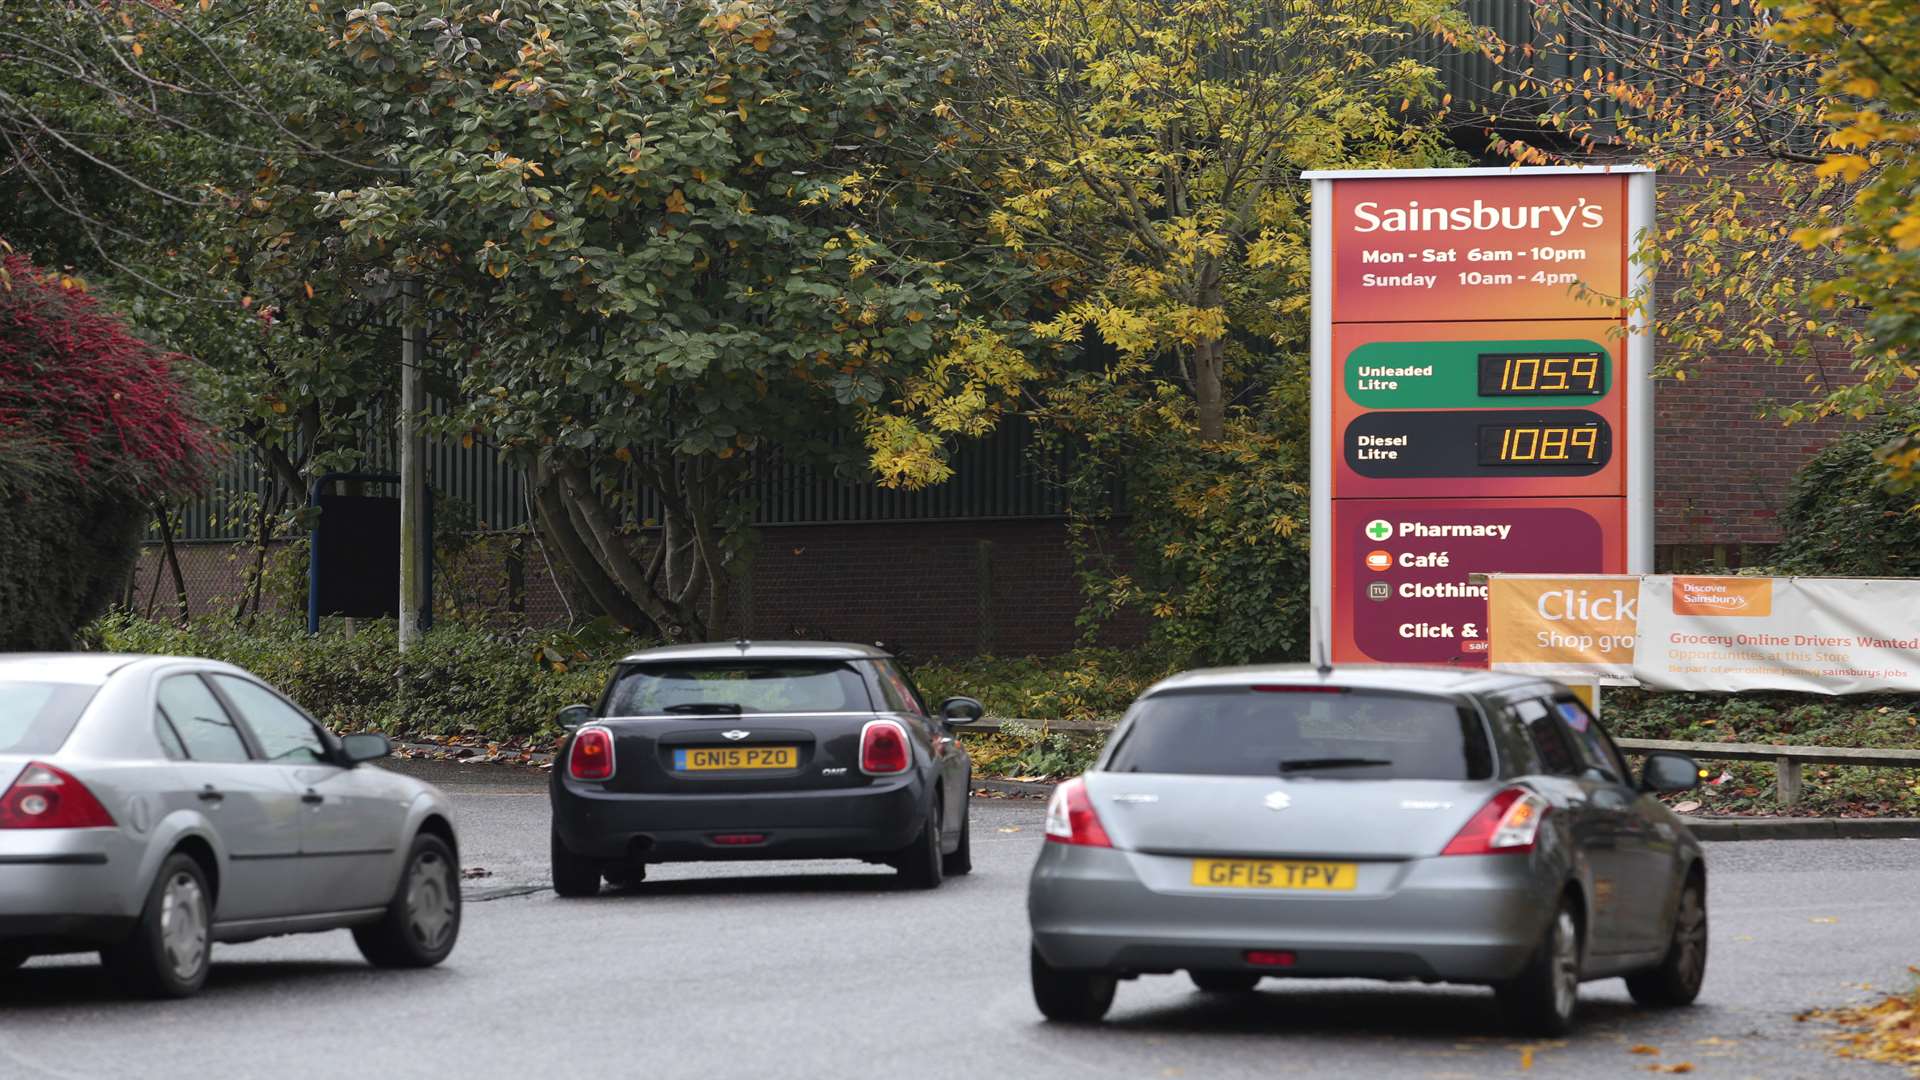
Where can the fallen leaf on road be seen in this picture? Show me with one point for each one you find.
(1644, 1049)
(1676, 1067)
(1687, 807)
(1823, 919)
(1010, 828)
(472, 872)
(1887, 1031)
(1526, 1057)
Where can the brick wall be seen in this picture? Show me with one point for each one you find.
(1721, 470)
(922, 588)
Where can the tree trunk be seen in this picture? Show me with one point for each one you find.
(249, 605)
(557, 526)
(173, 563)
(1209, 360)
(672, 620)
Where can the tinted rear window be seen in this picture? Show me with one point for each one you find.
(731, 688)
(36, 717)
(1349, 735)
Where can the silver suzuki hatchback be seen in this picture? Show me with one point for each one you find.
(1433, 825)
(152, 805)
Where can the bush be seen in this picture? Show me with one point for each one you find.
(94, 426)
(69, 551)
(1876, 720)
(1088, 686)
(1841, 519)
(457, 681)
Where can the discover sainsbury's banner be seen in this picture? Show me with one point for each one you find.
(1819, 635)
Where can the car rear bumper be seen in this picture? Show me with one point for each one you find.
(862, 822)
(71, 888)
(1472, 919)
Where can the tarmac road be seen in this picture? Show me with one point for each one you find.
(823, 970)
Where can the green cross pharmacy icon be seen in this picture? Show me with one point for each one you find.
(1378, 529)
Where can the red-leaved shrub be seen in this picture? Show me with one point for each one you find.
(76, 383)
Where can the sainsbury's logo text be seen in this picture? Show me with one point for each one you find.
(1477, 217)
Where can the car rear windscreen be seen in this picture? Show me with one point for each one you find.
(1337, 735)
(729, 688)
(36, 717)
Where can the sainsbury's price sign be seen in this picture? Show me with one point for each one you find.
(1480, 396)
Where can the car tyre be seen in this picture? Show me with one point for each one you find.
(921, 863)
(1224, 982)
(961, 861)
(1070, 997)
(1677, 980)
(171, 947)
(422, 921)
(573, 875)
(1541, 1000)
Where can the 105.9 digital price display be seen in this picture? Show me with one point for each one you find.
(1529, 374)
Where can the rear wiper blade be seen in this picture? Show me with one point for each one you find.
(1296, 764)
(708, 708)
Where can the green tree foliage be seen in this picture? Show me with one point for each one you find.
(661, 240)
(137, 139)
(1218, 540)
(1841, 519)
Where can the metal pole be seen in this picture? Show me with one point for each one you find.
(413, 463)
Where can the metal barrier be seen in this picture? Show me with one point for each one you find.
(1787, 760)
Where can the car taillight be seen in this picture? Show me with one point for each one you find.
(1509, 823)
(1070, 817)
(592, 755)
(43, 797)
(883, 748)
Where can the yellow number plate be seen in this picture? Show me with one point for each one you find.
(737, 757)
(1274, 874)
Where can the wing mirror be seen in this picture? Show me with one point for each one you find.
(961, 710)
(574, 715)
(364, 746)
(1668, 771)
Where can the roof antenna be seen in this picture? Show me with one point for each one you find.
(1318, 632)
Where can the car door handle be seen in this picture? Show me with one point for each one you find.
(313, 798)
(211, 794)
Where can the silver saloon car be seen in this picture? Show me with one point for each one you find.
(1404, 824)
(152, 805)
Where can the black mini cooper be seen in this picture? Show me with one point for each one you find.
(760, 750)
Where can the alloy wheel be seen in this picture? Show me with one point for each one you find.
(183, 926)
(1690, 938)
(1566, 963)
(430, 901)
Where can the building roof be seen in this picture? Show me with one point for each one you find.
(758, 650)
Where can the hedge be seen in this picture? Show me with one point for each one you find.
(457, 681)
